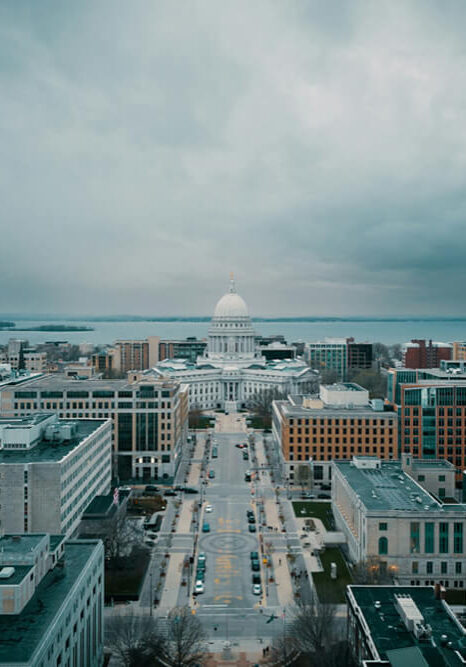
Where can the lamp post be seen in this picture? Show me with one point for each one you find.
(150, 593)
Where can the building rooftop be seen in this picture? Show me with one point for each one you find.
(21, 634)
(20, 571)
(59, 382)
(395, 642)
(49, 450)
(386, 487)
(11, 545)
(294, 408)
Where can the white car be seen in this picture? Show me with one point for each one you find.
(257, 589)
(209, 509)
(198, 588)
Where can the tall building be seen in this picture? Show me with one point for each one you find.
(359, 355)
(403, 626)
(50, 471)
(432, 408)
(425, 354)
(51, 601)
(329, 354)
(387, 514)
(138, 355)
(149, 415)
(191, 348)
(232, 369)
(15, 353)
(339, 423)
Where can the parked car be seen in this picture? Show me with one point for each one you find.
(255, 566)
(326, 487)
(251, 519)
(254, 555)
(206, 528)
(252, 528)
(239, 445)
(256, 589)
(256, 578)
(189, 490)
(245, 456)
(211, 474)
(200, 575)
(150, 543)
(308, 496)
(209, 509)
(169, 492)
(199, 587)
(201, 559)
(323, 495)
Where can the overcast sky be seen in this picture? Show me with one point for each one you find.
(316, 149)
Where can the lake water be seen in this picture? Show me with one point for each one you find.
(388, 332)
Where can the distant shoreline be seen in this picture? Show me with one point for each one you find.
(52, 328)
(194, 318)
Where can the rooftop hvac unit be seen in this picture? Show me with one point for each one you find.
(6, 572)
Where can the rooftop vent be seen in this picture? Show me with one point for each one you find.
(6, 572)
(409, 612)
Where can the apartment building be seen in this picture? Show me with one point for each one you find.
(459, 351)
(51, 601)
(138, 354)
(425, 354)
(385, 512)
(149, 415)
(338, 423)
(50, 470)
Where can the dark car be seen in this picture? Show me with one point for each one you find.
(245, 456)
(200, 575)
(189, 490)
(325, 487)
(323, 495)
(211, 474)
(169, 492)
(249, 513)
(255, 566)
(252, 528)
(254, 555)
(251, 519)
(256, 578)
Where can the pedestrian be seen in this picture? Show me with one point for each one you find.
(279, 561)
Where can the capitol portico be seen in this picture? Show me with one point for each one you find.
(233, 369)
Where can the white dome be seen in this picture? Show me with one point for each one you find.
(231, 305)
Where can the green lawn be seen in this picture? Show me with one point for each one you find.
(330, 590)
(322, 511)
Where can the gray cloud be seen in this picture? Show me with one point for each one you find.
(316, 148)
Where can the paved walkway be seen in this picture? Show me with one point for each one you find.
(172, 581)
(232, 423)
(184, 521)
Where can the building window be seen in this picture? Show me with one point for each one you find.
(383, 546)
(415, 538)
(415, 567)
(382, 526)
(458, 567)
(443, 538)
(429, 538)
(443, 567)
(458, 538)
(429, 567)
(421, 478)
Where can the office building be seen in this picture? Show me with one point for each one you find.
(35, 361)
(384, 512)
(190, 349)
(432, 409)
(338, 423)
(50, 471)
(149, 414)
(403, 626)
(233, 369)
(51, 601)
(425, 354)
(359, 355)
(329, 354)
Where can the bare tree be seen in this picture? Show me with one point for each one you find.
(372, 571)
(260, 404)
(135, 641)
(185, 639)
(313, 625)
(195, 414)
(118, 534)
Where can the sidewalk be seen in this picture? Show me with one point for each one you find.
(282, 579)
(184, 521)
(232, 423)
(172, 581)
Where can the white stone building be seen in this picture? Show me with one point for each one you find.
(51, 601)
(50, 471)
(233, 369)
(387, 514)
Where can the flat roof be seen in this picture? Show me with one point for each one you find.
(295, 409)
(17, 577)
(19, 544)
(46, 450)
(22, 633)
(389, 632)
(60, 382)
(387, 487)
